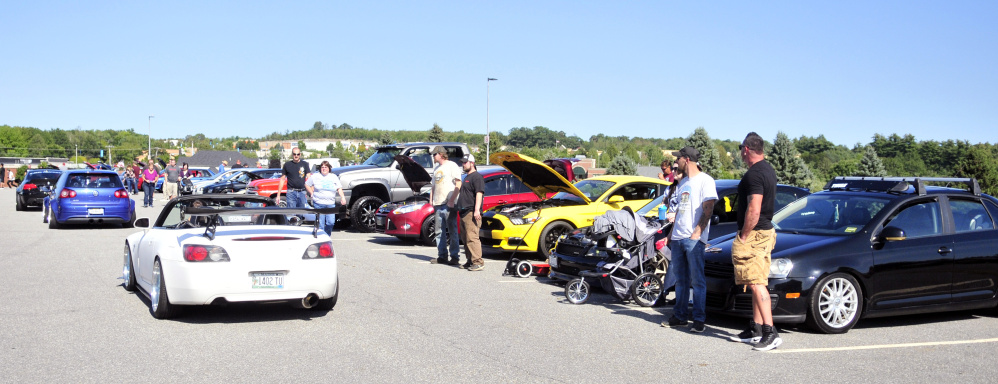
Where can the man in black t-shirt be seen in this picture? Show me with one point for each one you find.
(751, 248)
(294, 173)
(469, 203)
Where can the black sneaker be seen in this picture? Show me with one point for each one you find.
(698, 327)
(674, 322)
(476, 267)
(750, 335)
(466, 265)
(455, 262)
(439, 260)
(770, 339)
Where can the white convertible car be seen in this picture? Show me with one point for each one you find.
(210, 249)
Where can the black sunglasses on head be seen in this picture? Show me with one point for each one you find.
(741, 147)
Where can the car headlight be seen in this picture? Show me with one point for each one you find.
(780, 268)
(523, 220)
(407, 208)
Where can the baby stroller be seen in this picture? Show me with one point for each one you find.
(629, 271)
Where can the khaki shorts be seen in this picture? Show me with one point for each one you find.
(170, 189)
(752, 258)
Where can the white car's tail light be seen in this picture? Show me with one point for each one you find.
(319, 251)
(196, 253)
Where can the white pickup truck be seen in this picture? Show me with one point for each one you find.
(369, 185)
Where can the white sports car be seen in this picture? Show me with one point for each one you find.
(209, 249)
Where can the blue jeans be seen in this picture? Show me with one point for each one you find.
(297, 199)
(326, 221)
(130, 185)
(687, 264)
(148, 188)
(447, 234)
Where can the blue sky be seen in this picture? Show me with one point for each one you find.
(844, 69)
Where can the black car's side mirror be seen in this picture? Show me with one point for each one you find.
(892, 234)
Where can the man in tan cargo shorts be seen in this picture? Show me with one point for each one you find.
(750, 250)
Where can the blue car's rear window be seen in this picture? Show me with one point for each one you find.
(93, 180)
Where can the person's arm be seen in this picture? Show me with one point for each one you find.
(751, 216)
(455, 194)
(280, 187)
(310, 187)
(478, 205)
(708, 209)
(343, 199)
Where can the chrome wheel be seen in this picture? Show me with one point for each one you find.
(646, 289)
(577, 291)
(157, 274)
(838, 303)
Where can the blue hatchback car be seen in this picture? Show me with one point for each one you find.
(89, 197)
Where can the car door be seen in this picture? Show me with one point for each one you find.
(635, 195)
(917, 270)
(496, 191)
(975, 260)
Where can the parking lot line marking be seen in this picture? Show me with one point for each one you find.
(884, 346)
(517, 281)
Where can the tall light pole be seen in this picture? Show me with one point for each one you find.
(149, 154)
(488, 133)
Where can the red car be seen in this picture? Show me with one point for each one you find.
(413, 218)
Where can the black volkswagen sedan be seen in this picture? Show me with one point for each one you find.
(36, 185)
(871, 247)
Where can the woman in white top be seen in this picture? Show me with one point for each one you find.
(324, 187)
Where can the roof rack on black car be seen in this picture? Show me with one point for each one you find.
(897, 184)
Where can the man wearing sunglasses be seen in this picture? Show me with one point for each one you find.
(294, 173)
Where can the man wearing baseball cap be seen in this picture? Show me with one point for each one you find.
(469, 205)
(688, 239)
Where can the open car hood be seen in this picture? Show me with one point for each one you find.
(415, 175)
(536, 175)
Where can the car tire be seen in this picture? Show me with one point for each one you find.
(328, 304)
(363, 211)
(127, 273)
(428, 232)
(577, 291)
(159, 299)
(646, 289)
(550, 235)
(835, 305)
(19, 205)
(131, 221)
(53, 223)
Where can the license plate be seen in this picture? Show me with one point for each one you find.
(553, 260)
(95, 211)
(268, 280)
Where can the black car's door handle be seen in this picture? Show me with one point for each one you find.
(944, 250)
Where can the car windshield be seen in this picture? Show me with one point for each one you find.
(654, 203)
(174, 217)
(593, 189)
(383, 158)
(829, 214)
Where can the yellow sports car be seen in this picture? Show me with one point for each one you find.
(534, 227)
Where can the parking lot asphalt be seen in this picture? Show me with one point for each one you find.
(65, 317)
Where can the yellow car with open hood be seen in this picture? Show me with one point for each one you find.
(536, 226)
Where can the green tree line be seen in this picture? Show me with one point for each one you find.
(804, 161)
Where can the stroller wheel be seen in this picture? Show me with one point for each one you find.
(646, 289)
(577, 291)
(523, 269)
